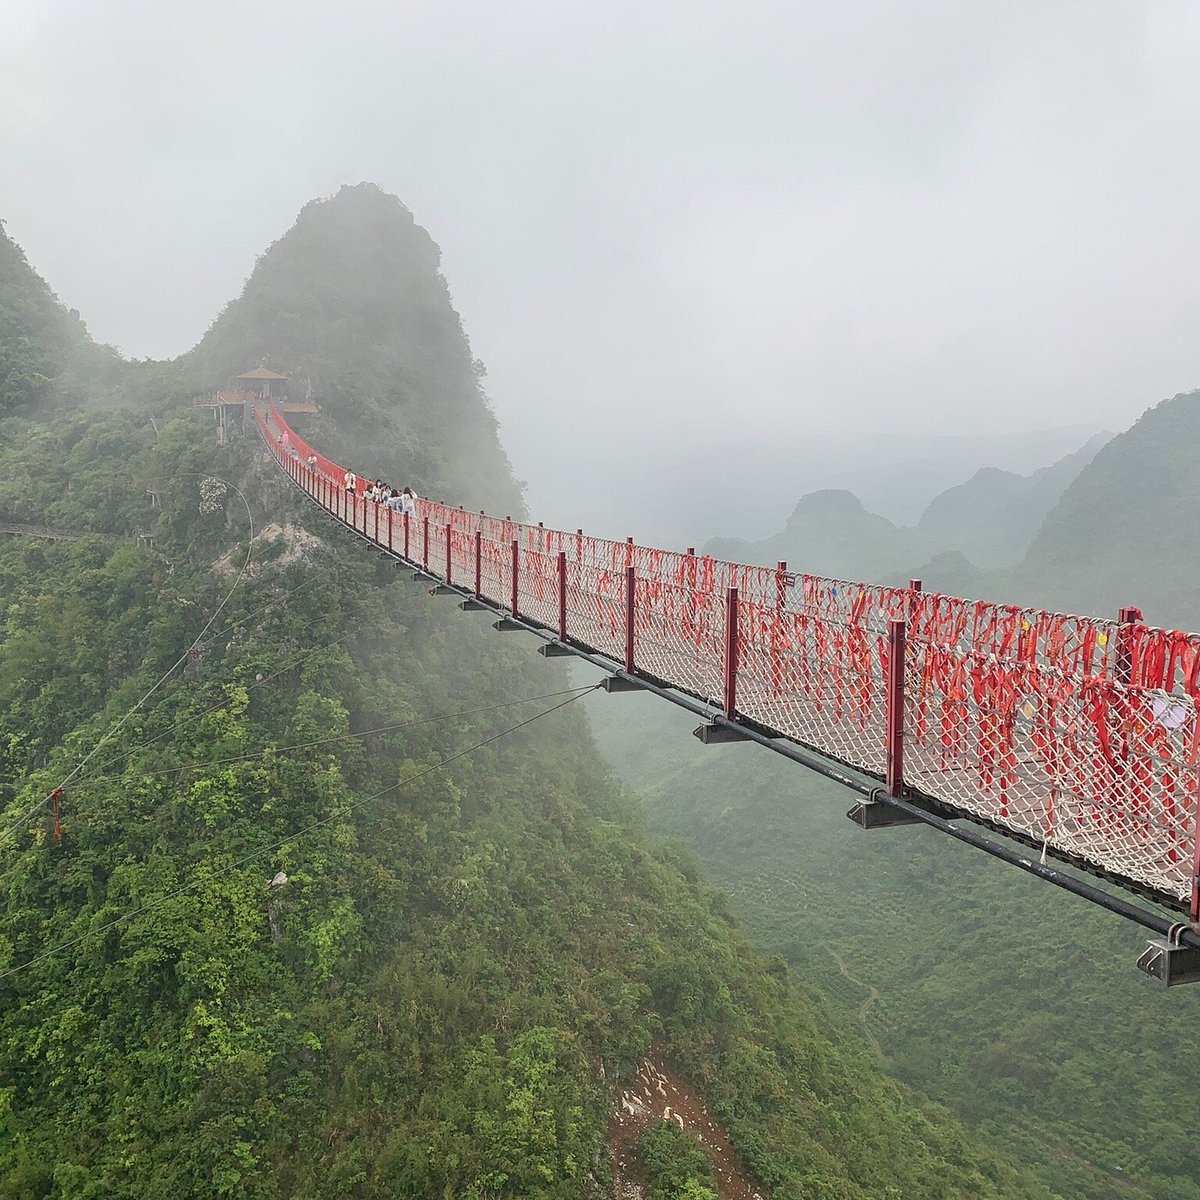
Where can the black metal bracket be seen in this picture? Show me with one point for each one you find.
(1169, 962)
(874, 813)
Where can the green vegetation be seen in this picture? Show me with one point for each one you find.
(43, 347)
(676, 1164)
(475, 943)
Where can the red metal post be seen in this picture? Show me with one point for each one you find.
(1127, 618)
(516, 553)
(897, 629)
(914, 588)
(777, 628)
(406, 525)
(630, 615)
(731, 652)
(447, 551)
(478, 563)
(1194, 906)
(391, 525)
(376, 522)
(425, 543)
(562, 595)
(628, 552)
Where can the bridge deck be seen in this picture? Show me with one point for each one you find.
(1077, 734)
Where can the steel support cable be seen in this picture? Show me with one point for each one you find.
(295, 661)
(249, 687)
(341, 737)
(169, 672)
(307, 582)
(188, 720)
(159, 901)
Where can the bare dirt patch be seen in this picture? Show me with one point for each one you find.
(658, 1094)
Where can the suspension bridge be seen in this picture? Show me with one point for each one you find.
(1076, 737)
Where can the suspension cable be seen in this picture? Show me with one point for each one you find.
(170, 670)
(159, 901)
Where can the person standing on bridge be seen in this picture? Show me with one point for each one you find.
(351, 482)
(410, 503)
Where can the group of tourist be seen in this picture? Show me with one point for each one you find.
(403, 501)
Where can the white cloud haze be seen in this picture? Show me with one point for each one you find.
(668, 226)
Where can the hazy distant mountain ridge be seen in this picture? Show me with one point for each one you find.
(987, 521)
(831, 533)
(995, 515)
(1125, 531)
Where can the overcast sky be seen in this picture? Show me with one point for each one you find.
(703, 223)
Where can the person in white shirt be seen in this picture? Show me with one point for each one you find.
(351, 482)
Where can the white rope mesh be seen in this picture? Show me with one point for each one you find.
(1079, 733)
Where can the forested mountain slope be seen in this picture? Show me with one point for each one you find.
(995, 515)
(1125, 532)
(42, 346)
(475, 943)
(1122, 533)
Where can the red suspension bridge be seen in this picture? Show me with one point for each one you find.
(1075, 735)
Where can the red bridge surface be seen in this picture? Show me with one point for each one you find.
(1077, 734)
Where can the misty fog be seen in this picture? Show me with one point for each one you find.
(735, 253)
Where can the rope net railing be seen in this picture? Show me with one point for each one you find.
(1077, 733)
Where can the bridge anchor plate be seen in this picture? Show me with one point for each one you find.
(470, 605)
(555, 650)
(618, 683)
(712, 734)
(873, 814)
(1170, 964)
(508, 625)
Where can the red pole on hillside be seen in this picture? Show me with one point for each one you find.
(478, 562)
(376, 522)
(425, 543)
(391, 525)
(894, 744)
(406, 525)
(630, 615)
(731, 652)
(447, 551)
(516, 552)
(562, 595)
